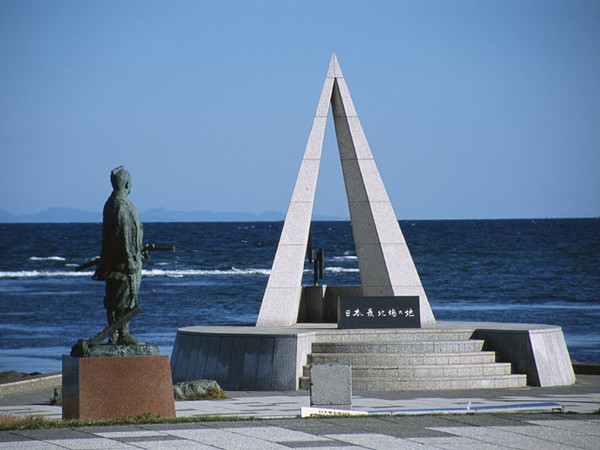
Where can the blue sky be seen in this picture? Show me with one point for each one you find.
(472, 109)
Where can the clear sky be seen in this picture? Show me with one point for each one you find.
(472, 109)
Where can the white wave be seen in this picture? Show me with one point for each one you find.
(47, 258)
(345, 258)
(180, 273)
(42, 274)
(201, 272)
(169, 273)
(341, 269)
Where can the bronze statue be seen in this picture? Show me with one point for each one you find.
(120, 266)
(120, 263)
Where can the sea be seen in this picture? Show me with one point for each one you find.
(528, 271)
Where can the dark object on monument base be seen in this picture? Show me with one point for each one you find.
(113, 350)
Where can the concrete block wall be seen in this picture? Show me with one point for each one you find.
(538, 351)
(237, 361)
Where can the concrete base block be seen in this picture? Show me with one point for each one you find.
(331, 385)
(240, 358)
(272, 358)
(539, 352)
(113, 387)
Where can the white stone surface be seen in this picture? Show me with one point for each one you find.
(281, 300)
(551, 358)
(375, 189)
(294, 232)
(384, 260)
(324, 100)
(282, 307)
(363, 151)
(372, 268)
(283, 275)
(334, 68)
(315, 138)
(306, 182)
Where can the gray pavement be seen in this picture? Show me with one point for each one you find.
(559, 417)
(480, 431)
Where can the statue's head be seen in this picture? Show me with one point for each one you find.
(120, 179)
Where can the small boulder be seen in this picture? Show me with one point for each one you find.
(198, 390)
(56, 399)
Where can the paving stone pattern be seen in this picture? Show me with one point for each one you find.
(520, 431)
(425, 419)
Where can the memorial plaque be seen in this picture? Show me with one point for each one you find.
(379, 312)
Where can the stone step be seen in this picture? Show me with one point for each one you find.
(375, 384)
(427, 371)
(401, 359)
(471, 345)
(396, 334)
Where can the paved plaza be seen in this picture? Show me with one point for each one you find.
(522, 418)
(480, 431)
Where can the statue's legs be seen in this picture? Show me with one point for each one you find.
(112, 339)
(125, 338)
(119, 299)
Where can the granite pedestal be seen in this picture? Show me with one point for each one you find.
(274, 359)
(113, 387)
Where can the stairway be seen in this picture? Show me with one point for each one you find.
(412, 359)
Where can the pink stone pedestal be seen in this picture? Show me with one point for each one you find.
(113, 387)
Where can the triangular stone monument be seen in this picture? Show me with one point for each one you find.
(384, 261)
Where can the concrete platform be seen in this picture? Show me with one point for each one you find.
(501, 431)
(273, 359)
(527, 418)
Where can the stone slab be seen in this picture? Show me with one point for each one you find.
(113, 387)
(331, 385)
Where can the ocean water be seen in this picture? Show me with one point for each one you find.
(528, 271)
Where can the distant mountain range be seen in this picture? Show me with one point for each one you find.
(52, 215)
(70, 215)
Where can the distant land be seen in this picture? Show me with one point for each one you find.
(71, 215)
